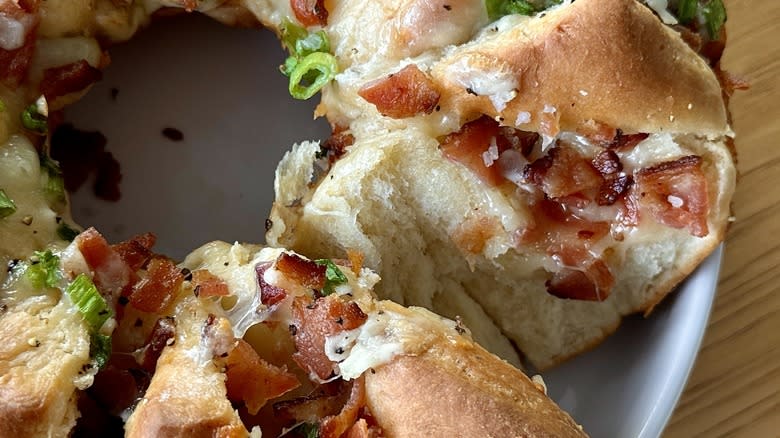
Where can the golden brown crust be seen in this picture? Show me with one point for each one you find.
(611, 61)
(465, 392)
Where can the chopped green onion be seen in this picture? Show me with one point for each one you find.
(65, 232)
(311, 74)
(291, 34)
(686, 10)
(289, 65)
(44, 270)
(498, 8)
(54, 187)
(313, 42)
(333, 276)
(87, 299)
(715, 16)
(100, 349)
(307, 430)
(33, 120)
(7, 205)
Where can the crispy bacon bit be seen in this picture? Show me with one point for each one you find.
(693, 39)
(157, 290)
(336, 145)
(626, 142)
(567, 238)
(729, 82)
(607, 163)
(335, 425)
(163, 331)
(675, 193)
(302, 271)
(136, 251)
(467, 146)
(593, 283)
(112, 274)
(269, 294)
(361, 429)
(613, 189)
(316, 321)
(207, 284)
(119, 384)
(563, 172)
(405, 93)
(310, 12)
(253, 380)
(65, 79)
(599, 134)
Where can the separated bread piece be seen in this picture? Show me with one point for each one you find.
(187, 396)
(44, 359)
(401, 362)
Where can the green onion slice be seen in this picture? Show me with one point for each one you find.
(33, 120)
(65, 232)
(291, 33)
(87, 299)
(44, 270)
(308, 430)
(100, 349)
(715, 17)
(686, 10)
(311, 74)
(333, 276)
(7, 205)
(54, 187)
(498, 8)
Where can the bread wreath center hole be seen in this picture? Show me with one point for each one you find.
(220, 90)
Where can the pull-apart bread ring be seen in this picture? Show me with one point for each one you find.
(572, 168)
(534, 178)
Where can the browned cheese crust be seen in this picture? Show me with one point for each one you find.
(610, 59)
(462, 392)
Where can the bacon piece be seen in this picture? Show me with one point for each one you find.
(607, 162)
(65, 79)
(269, 294)
(675, 193)
(136, 251)
(156, 291)
(163, 331)
(335, 425)
(336, 145)
(563, 172)
(314, 322)
(599, 134)
(117, 386)
(405, 93)
(112, 274)
(305, 272)
(626, 142)
(207, 284)
(613, 188)
(567, 238)
(593, 283)
(729, 82)
(310, 12)
(467, 146)
(253, 380)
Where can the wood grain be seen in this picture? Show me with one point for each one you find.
(734, 390)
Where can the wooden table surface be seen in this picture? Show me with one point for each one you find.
(734, 389)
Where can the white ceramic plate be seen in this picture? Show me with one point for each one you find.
(221, 88)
